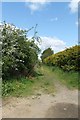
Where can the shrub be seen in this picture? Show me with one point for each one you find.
(19, 54)
(67, 60)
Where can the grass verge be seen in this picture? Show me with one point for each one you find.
(70, 79)
(43, 82)
(28, 86)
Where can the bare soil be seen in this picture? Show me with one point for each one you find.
(62, 104)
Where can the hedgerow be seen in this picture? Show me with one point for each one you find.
(67, 60)
(19, 53)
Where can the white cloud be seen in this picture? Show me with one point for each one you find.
(78, 22)
(35, 5)
(56, 44)
(53, 42)
(0, 22)
(53, 19)
(74, 5)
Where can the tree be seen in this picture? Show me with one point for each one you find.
(19, 54)
(46, 53)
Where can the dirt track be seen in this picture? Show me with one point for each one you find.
(63, 104)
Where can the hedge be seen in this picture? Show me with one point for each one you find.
(67, 60)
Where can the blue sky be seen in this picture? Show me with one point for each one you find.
(57, 21)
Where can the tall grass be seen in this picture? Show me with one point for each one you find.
(28, 86)
(43, 81)
(71, 79)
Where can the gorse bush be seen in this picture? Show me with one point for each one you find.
(67, 60)
(19, 54)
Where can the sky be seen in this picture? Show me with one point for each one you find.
(57, 21)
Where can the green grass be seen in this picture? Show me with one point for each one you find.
(70, 79)
(28, 86)
(44, 82)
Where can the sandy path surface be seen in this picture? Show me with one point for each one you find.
(62, 104)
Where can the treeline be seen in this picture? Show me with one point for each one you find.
(68, 60)
(19, 53)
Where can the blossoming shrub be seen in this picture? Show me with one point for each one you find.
(19, 54)
(68, 59)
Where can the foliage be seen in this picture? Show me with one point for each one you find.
(46, 53)
(67, 60)
(26, 86)
(19, 54)
(7, 88)
(43, 82)
(70, 79)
